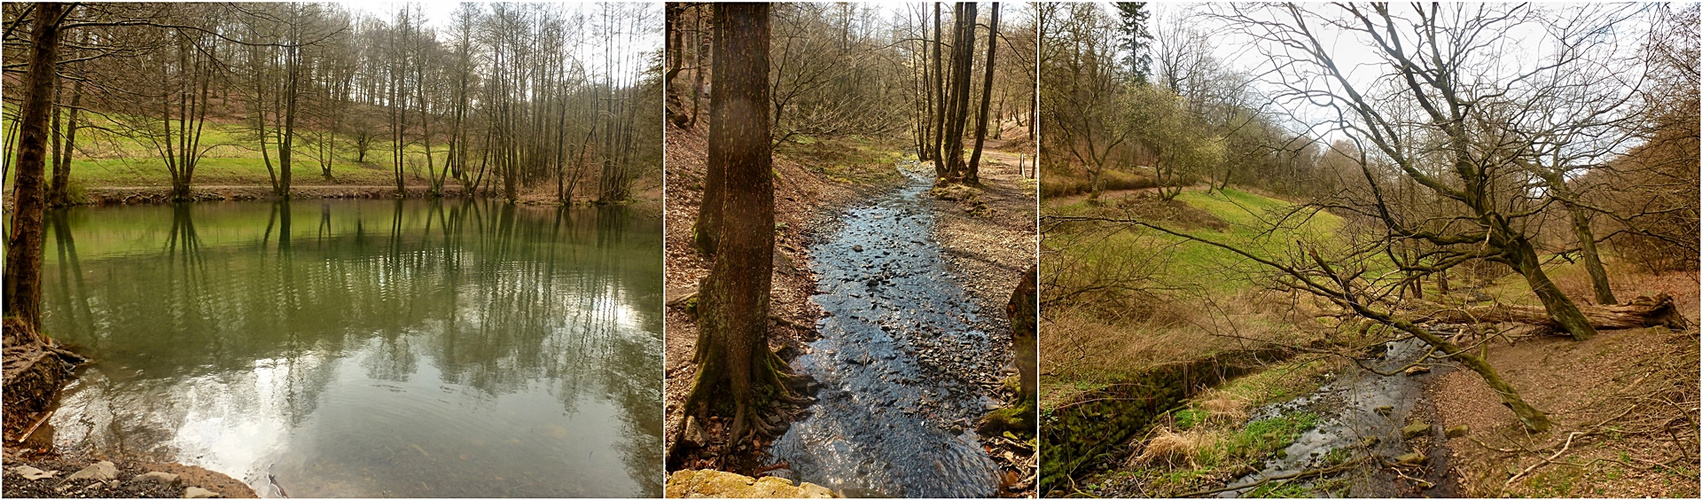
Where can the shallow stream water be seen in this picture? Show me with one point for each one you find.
(1356, 408)
(892, 417)
(366, 348)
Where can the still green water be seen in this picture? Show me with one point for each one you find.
(367, 347)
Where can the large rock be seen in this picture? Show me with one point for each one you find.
(718, 484)
(100, 471)
(165, 478)
(32, 473)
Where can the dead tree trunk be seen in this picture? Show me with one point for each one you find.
(1641, 312)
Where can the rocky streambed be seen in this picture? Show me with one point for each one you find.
(902, 366)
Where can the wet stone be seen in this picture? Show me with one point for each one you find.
(32, 473)
(100, 471)
(166, 478)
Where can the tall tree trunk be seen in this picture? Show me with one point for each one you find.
(23, 246)
(940, 104)
(732, 345)
(1523, 258)
(957, 118)
(286, 139)
(59, 194)
(1592, 258)
(973, 176)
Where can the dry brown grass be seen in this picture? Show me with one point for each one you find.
(1222, 406)
(1173, 448)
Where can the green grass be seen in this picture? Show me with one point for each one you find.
(1253, 224)
(107, 158)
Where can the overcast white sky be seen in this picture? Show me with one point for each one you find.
(438, 16)
(1518, 50)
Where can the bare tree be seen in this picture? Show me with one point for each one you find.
(1429, 56)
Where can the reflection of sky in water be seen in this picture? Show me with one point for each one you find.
(510, 355)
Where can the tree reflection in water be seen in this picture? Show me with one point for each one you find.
(393, 348)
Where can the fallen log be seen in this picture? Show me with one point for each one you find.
(1641, 312)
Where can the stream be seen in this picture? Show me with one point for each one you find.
(1352, 409)
(897, 397)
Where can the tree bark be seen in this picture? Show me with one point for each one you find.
(1559, 308)
(973, 176)
(24, 244)
(732, 344)
(963, 50)
(1592, 257)
(940, 104)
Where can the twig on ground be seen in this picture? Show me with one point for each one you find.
(1544, 461)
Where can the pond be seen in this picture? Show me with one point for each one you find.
(367, 347)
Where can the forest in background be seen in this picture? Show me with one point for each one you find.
(499, 99)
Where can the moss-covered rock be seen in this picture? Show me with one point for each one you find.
(718, 484)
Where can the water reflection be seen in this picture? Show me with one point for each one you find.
(368, 348)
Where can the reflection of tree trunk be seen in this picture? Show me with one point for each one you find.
(70, 269)
(23, 246)
(283, 227)
(732, 346)
(182, 244)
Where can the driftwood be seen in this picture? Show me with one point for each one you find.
(1641, 312)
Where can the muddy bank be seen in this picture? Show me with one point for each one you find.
(987, 236)
(162, 194)
(1624, 410)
